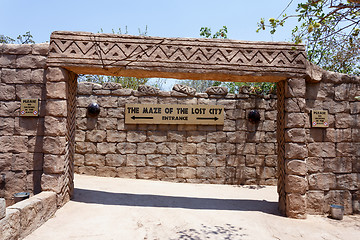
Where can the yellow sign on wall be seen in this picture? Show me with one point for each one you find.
(29, 108)
(319, 118)
(174, 114)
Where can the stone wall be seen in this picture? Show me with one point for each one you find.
(322, 164)
(239, 152)
(21, 158)
(333, 161)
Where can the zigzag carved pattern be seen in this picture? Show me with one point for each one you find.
(119, 51)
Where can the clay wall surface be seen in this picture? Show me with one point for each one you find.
(21, 158)
(238, 152)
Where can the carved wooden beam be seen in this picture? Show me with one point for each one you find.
(182, 58)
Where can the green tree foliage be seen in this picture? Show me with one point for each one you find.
(26, 38)
(329, 29)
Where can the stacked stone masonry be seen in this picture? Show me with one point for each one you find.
(239, 152)
(322, 165)
(22, 70)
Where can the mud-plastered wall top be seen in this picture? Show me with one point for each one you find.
(184, 58)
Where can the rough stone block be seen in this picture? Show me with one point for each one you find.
(176, 160)
(10, 225)
(52, 182)
(338, 135)
(56, 108)
(322, 181)
(295, 87)
(56, 90)
(40, 49)
(55, 126)
(236, 137)
(196, 137)
(146, 148)
(17, 49)
(324, 149)
(79, 159)
(156, 136)
(95, 160)
(85, 147)
(54, 145)
(294, 104)
(7, 126)
(186, 172)
(186, 148)
(297, 135)
(115, 160)
(271, 160)
(216, 137)
(295, 120)
(296, 167)
(106, 148)
(95, 136)
(338, 164)
(347, 181)
(55, 74)
(206, 172)
(136, 136)
(265, 148)
(254, 160)
(37, 76)
(166, 173)
(126, 148)
(126, 172)
(225, 148)
(9, 109)
(296, 205)
(146, 172)
(315, 202)
(345, 149)
(30, 61)
(7, 92)
(206, 148)
(135, 160)
(315, 164)
(196, 160)
(106, 171)
(295, 184)
(156, 160)
(218, 160)
(344, 120)
(295, 151)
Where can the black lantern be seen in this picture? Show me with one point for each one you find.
(254, 116)
(93, 109)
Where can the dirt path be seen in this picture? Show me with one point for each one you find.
(113, 208)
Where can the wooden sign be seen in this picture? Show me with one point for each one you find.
(174, 114)
(319, 118)
(29, 108)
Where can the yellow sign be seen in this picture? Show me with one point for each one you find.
(319, 118)
(29, 108)
(174, 114)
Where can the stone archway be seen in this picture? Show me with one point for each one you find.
(74, 53)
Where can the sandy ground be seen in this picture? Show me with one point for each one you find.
(113, 208)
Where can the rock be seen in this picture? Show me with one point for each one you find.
(148, 90)
(184, 89)
(216, 90)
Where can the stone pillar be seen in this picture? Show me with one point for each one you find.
(55, 148)
(296, 152)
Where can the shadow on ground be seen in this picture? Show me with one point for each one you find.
(214, 232)
(148, 200)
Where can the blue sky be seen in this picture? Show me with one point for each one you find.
(164, 18)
